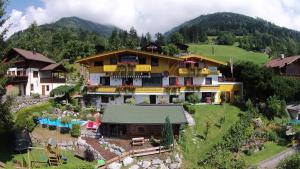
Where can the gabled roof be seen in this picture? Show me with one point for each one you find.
(143, 114)
(53, 66)
(31, 55)
(112, 53)
(202, 58)
(281, 62)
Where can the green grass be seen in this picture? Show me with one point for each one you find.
(271, 149)
(73, 162)
(223, 53)
(194, 148)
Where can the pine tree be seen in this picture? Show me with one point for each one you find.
(160, 39)
(167, 137)
(133, 40)
(5, 115)
(114, 41)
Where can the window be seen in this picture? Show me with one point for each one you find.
(154, 61)
(18, 73)
(153, 81)
(172, 81)
(208, 80)
(105, 81)
(47, 88)
(35, 74)
(142, 60)
(127, 81)
(128, 58)
(31, 87)
(13, 73)
(98, 63)
(104, 99)
(188, 81)
(113, 61)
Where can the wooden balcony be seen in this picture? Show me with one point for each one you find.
(159, 90)
(196, 72)
(17, 78)
(53, 80)
(134, 68)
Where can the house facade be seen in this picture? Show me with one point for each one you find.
(289, 66)
(33, 72)
(117, 76)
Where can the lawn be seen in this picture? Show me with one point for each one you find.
(73, 162)
(271, 149)
(194, 148)
(223, 53)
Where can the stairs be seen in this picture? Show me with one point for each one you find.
(53, 159)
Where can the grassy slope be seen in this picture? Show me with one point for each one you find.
(270, 150)
(212, 113)
(223, 53)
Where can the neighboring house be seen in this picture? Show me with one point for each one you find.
(289, 66)
(114, 77)
(128, 121)
(33, 72)
(152, 47)
(182, 47)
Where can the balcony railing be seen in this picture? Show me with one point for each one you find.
(144, 89)
(127, 67)
(196, 72)
(17, 78)
(53, 80)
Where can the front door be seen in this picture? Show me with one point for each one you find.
(152, 99)
(43, 90)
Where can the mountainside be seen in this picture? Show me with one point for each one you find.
(67, 38)
(250, 33)
(78, 23)
(238, 24)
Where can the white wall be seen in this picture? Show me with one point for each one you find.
(115, 81)
(165, 81)
(32, 80)
(199, 80)
(51, 87)
(137, 82)
(95, 78)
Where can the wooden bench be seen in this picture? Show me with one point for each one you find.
(138, 141)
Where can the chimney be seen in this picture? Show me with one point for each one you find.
(34, 51)
(282, 56)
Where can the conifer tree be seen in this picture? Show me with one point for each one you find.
(167, 137)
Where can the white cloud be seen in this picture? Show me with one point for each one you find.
(154, 16)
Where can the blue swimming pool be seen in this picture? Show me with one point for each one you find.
(58, 123)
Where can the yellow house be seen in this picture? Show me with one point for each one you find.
(114, 77)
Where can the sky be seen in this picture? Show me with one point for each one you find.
(146, 15)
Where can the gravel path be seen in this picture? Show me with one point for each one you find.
(189, 118)
(272, 162)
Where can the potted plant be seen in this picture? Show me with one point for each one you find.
(36, 116)
(52, 118)
(65, 120)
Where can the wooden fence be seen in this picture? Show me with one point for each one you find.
(137, 153)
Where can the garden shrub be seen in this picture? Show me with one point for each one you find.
(13, 92)
(30, 124)
(271, 136)
(130, 101)
(35, 95)
(290, 162)
(275, 107)
(52, 117)
(65, 120)
(193, 98)
(75, 132)
(192, 110)
(24, 113)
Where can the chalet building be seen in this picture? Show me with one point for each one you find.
(182, 47)
(128, 121)
(33, 72)
(152, 47)
(115, 77)
(289, 66)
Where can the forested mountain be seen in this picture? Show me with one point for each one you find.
(78, 23)
(67, 38)
(253, 33)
